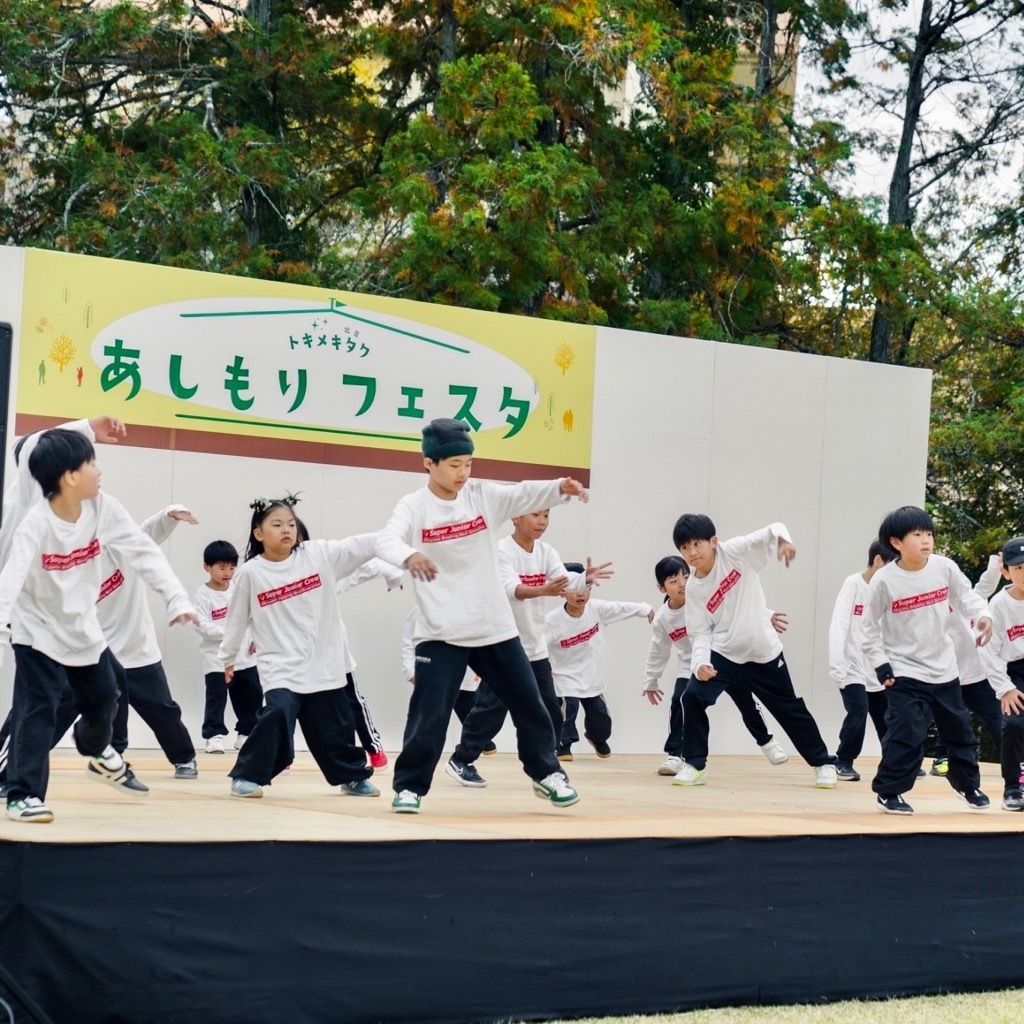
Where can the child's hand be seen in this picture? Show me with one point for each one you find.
(984, 631)
(604, 571)
(183, 516)
(554, 587)
(705, 673)
(780, 622)
(786, 552)
(420, 567)
(1012, 703)
(107, 429)
(574, 489)
(654, 696)
(185, 617)
(650, 615)
(229, 673)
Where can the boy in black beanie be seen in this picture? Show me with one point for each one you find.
(464, 616)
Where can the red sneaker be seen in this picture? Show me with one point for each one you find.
(378, 759)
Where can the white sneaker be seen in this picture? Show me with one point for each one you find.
(775, 752)
(215, 744)
(825, 776)
(670, 766)
(239, 740)
(690, 776)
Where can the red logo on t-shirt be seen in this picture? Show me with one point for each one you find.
(580, 638)
(58, 563)
(295, 589)
(910, 604)
(110, 585)
(219, 613)
(533, 579)
(456, 531)
(858, 609)
(677, 634)
(1015, 632)
(724, 587)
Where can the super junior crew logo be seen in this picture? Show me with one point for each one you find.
(60, 563)
(289, 590)
(454, 531)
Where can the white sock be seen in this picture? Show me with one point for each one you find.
(111, 759)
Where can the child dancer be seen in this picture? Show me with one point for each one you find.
(907, 642)
(48, 594)
(575, 636)
(669, 627)
(734, 643)
(284, 595)
(465, 617)
(213, 598)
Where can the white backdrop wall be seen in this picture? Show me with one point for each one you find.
(747, 435)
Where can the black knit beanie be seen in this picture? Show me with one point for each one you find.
(444, 438)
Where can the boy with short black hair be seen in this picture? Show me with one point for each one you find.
(907, 642)
(48, 591)
(734, 643)
(464, 615)
(861, 693)
(220, 559)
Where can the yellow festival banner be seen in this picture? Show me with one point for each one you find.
(206, 362)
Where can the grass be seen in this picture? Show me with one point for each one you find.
(1005, 1007)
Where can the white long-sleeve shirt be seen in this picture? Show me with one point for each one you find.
(669, 631)
(576, 644)
(906, 621)
(48, 587)
(1007, 643)
(122, 606)
(24, 493)
(847, 662)
(374, 569)
(726, 610)
(465, 604)
(521, 568)
(212, 608)
(291, 610)
(969, 662)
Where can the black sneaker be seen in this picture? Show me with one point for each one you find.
(1013, 800)
(893, 805)
(490, 749)
(601, 747)
(847, 773)
(465, 774)
(122, 778)
(564, 753)
(974, 798)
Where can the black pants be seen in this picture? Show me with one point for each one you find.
(246, 697)
(327, 725)
(1012, 752)
(982, 700)
(367, 732)
(38, 683)
(768, 681)
(487, 715)
(597, 720)
(150, 697)
(464, 704)
(912, 706)
(741, 697)
(860, 704)
(440, 669)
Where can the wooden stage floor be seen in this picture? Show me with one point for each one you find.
(620, 798)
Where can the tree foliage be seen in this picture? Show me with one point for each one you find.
(637, 163)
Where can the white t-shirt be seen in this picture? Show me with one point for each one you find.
(1007, 643)
(291, 610)
(906, 621)
(521, 568)
(212, 606)
(847, 662)
(576, 645)
(465, 604)
(470, 682)
(48, 587)
(670, 632)
(726, 610)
